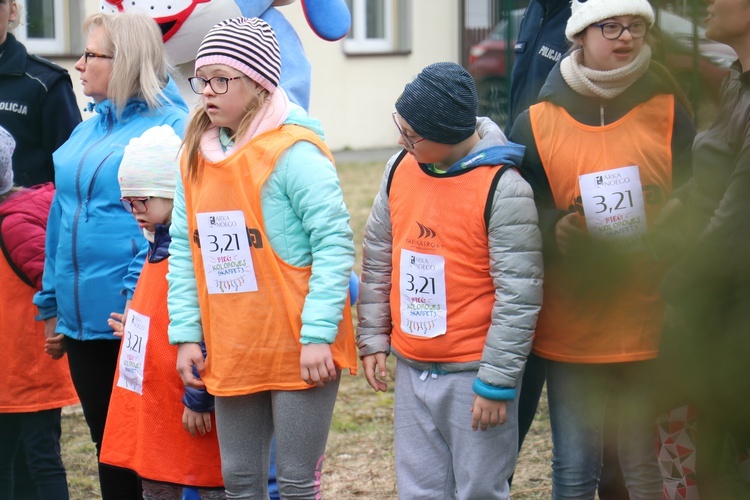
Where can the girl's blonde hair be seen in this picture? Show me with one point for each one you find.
(200, 123)
(140, 68)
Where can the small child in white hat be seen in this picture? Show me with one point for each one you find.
(150, 409)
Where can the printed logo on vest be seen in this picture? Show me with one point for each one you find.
(425, 232)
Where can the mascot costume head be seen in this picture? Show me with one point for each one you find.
(184, 23)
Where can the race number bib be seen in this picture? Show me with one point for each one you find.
(226, 252)
(133, 352)
(423, 306)
(613, 203)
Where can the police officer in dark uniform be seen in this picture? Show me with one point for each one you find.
(37, 106)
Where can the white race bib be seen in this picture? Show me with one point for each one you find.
(424, 310)
(613, 203)
(226, 252)
(133, 352)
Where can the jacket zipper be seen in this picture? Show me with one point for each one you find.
(76, 217)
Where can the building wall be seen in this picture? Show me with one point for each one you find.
(354, 96)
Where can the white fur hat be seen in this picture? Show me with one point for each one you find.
(584, 13)
(150, 164)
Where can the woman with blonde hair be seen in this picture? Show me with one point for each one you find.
(95, 249)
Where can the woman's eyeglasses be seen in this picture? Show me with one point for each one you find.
(219, 84)
(613, 31)
(87, 55)
(135, 205)
(410, 143)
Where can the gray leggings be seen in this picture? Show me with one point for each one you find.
(300, 420)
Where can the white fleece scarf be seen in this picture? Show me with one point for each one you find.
(604, 84)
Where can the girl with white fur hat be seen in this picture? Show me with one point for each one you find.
(605, 145)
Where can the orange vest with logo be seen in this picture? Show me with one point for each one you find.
(603, 310)
(252, 338)
(144, 433)
(31, 381)
(444, 214)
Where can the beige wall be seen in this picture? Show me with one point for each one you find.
(353, 96)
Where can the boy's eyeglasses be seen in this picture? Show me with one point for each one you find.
(135, 205)
(87, 55)
(613, 31)
(408, 141)
(219, 84)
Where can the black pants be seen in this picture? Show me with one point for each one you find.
(39, 435)
(92, 368)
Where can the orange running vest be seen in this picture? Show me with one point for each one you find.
(144, 433)
(444, 214)
(603, 310)
(252, 338)
(31, 381)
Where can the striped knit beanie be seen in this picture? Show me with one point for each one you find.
(7, 145)
(440, 104)
(246, 44)
(150, 164)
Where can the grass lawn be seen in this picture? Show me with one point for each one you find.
(359, 458)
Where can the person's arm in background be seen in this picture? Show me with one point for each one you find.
(185, 327)
(60, 115)
(45, 299)
(373, 307)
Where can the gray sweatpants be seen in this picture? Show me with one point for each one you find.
(300, 420)
(438, 455)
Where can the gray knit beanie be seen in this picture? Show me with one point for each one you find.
(7, 145)
(246, 44)
(440, 104)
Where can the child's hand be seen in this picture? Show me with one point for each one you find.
(370, 364)
(189, 355)
(196, 422)
(316, 364)
(487, 413)
(116, 323)
(571, 239)
(54, 343)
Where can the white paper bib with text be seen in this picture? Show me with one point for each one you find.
(133, 352)
(424, 309)
(226, 252)
(613, 203)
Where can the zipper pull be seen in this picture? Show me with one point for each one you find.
(601, 114)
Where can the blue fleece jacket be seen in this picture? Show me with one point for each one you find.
(95, 250)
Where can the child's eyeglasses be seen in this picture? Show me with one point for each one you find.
(135, 205)
(613, 31)
(409, 143)
(219, 84)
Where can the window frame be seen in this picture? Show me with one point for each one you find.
(396, 39)
(57, 45)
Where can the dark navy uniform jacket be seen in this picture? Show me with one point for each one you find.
(541, 44)
(39, 109)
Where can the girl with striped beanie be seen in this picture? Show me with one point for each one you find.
(260, 261)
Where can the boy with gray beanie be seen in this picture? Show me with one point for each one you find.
(451, 284)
